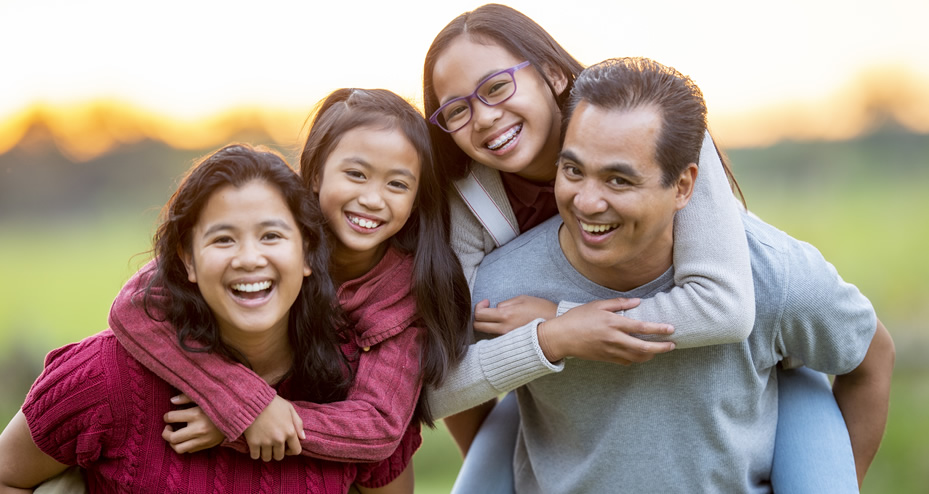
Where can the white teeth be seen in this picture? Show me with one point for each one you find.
(598, 228)
(363, 222)
(503, 139)
(252, 287)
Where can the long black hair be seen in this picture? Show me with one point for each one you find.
(442, 296)
(319, 368)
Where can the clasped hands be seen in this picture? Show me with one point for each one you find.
(593, 331)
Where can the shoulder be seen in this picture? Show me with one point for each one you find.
(72, 396)
(798, 286)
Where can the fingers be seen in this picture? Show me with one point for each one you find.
(632, 326)
(293, 446)
(617, 304)
(298, 423)
(180, 399)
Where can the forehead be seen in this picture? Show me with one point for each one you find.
(386, 149)
(601, 137)
(465, 62)
(256, 198)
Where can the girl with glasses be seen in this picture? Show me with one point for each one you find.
(494, 85)
(241, 276)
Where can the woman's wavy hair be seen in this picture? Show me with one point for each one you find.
(442, 296)
(319, 368)
(511, 30)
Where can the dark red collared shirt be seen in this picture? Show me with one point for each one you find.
(532, 202)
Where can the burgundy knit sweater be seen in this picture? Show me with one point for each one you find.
(97, 407)
(384, 348)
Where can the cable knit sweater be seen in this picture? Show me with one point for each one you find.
(384, 348)
(97, 407)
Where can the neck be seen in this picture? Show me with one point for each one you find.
(347, 265)
(270, 354)
(627, 275)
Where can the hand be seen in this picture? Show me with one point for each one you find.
(197, 435)
(594, 331)
(511, 314)
(276, 432)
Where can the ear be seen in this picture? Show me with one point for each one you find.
(315, 183)
(685, 185)
(306, 269)
(188, 261)
(556, 76)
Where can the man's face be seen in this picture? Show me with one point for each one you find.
(618, 216)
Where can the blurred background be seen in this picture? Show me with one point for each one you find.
(823, 107)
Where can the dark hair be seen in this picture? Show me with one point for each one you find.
(319, 368)
(442, 296)
(636, 82)
(511, 30)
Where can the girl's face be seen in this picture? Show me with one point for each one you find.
(366, 190)
(247, 259)
(519, 135)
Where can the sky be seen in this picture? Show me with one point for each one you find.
(188, 60)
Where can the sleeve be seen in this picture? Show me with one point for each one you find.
(490, 368)
(370, 423)
(230, 394)
(826, 322)
(466, 237)
(67, 409)
(374, 475)
(713, 300)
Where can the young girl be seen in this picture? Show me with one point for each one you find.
(241, 272)
(368, 162)
(494, 85)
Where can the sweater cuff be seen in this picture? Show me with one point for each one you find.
(247, 413)
(516, 358)
(565, 306)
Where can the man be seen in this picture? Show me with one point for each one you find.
(692, 420)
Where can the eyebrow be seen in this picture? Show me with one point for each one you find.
(616, 167)
(367, 166)
(479, 81)
(275, 222)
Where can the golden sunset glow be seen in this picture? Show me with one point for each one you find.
(89, 76)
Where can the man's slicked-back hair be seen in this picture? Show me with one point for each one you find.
(631, 83)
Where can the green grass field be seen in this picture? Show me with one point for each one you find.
(61, 275)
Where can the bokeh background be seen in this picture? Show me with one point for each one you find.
(822, 105)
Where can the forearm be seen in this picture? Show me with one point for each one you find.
(229, 394)
(863, 395)
(370, 423)
(490, 368)
(713, 300)
(463, 426)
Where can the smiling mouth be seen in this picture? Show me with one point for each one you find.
(597, 230)
(504, 138)
(364, 222)
(252, 290)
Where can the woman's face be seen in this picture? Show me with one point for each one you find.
(247, 259)
(366, 190)
(519, 135)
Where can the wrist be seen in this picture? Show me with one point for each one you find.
(548, 337)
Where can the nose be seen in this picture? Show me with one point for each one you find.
(250, 256)
(484, 116)
(371, 198)
(588, 200)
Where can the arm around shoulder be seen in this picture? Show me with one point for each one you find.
(713, 300)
